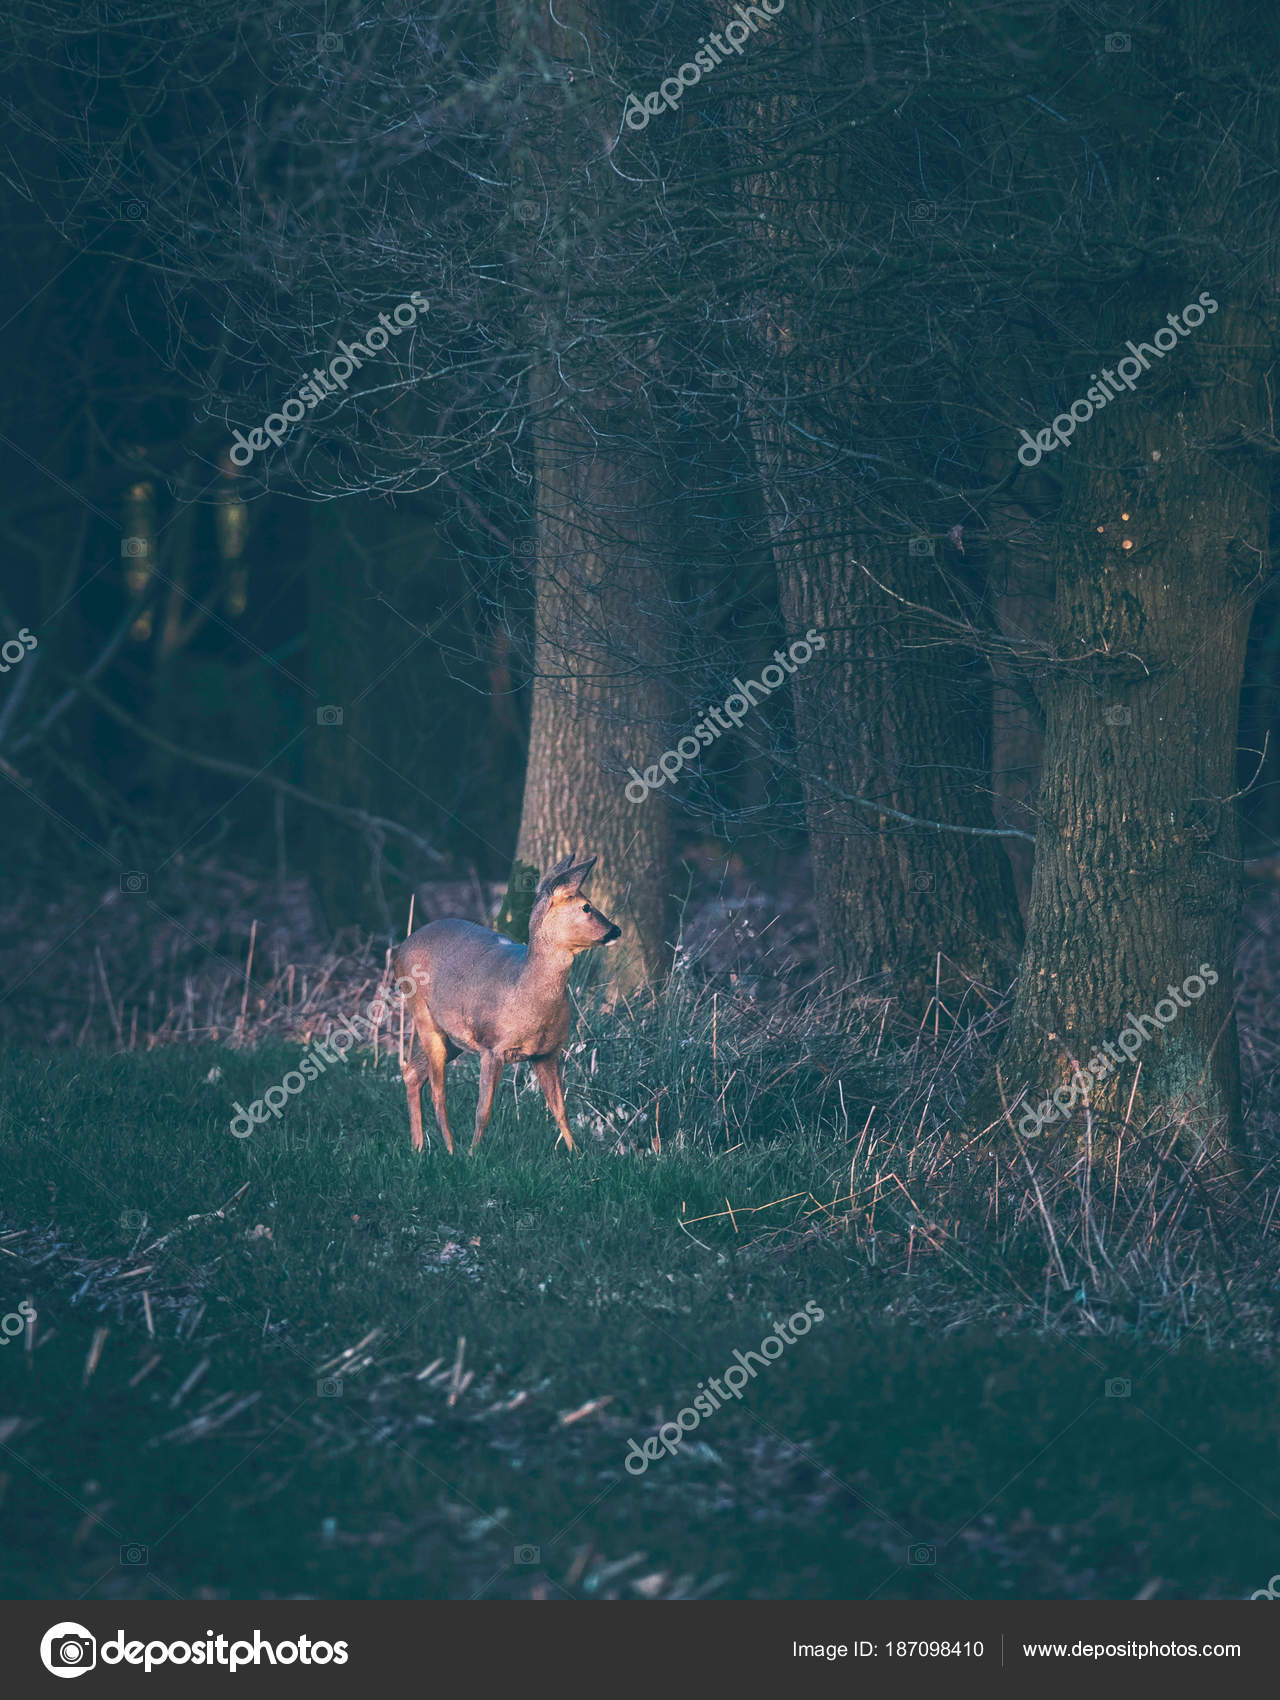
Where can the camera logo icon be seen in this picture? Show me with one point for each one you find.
(134, 210)
(68, 1649)
(527, 1555)
(134, 884)
(328, 42)
(330, 1387)
(920, 546)
(922, 212)
(722, 380)
(1117, 44)
(922, 1555)
(132, 1554)
(1119, 1387)
(528, 212)
(526, 546)
(131, 547)
(1116, 714)
(329, 715)
(923, 882)
(132, 1220)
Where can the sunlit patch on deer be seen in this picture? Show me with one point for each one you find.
(475, 990)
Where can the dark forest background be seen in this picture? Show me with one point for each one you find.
(654, 402)
(681, 393)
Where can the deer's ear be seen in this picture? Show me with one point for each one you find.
(567, 875)
(556, 877)
(577, 877)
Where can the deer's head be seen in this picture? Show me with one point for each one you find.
(565, 918)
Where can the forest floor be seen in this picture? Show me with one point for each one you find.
(311, 1363)
(308, 1362)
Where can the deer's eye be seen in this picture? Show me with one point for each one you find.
(586, 908)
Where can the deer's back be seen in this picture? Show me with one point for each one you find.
(466, 974)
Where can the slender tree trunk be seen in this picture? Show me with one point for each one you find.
(372, 739)
(340, 654)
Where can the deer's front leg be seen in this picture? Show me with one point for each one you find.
(490, 1074)
(547, 1070)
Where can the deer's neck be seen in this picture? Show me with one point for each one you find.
(544, 978)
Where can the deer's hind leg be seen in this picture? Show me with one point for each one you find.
(435, 1053)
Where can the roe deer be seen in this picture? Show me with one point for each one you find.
(475, 990)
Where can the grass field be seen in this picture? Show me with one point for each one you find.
(223, 1392)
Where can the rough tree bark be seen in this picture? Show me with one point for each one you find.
(598, 696)
(876, 721)
(602, 491)
(877, 718)
(1020, 578)
(1161, 550)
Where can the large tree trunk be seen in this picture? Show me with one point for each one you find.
(1019, 579)
(902, 725)
(602, 495)
(599, 704)
(1137, 879)
(901, 905)
(1125, 997)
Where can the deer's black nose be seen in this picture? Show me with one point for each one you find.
(613, 933)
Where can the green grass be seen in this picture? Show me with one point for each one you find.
(930, 1406)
